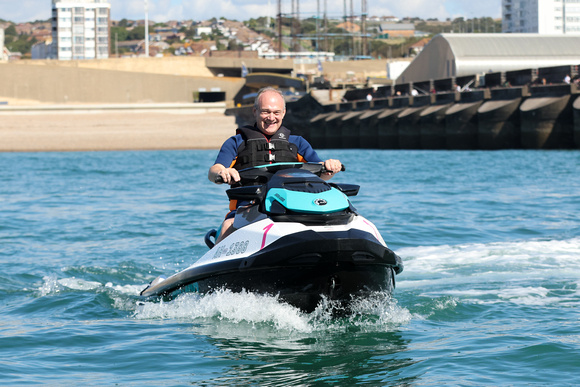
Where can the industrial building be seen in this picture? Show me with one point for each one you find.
(457, 55)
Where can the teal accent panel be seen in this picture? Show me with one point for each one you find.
(306, 201)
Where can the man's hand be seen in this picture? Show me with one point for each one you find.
(332, 166)
(227, 175)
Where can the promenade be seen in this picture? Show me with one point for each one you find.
(106, 127)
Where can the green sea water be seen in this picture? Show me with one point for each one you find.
(490, 293)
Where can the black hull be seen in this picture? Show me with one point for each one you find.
(301, 269)
(304, 286)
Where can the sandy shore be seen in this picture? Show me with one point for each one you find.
(113, 131)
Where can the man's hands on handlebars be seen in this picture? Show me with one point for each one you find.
(220, 174)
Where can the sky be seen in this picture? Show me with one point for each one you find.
(164, 10)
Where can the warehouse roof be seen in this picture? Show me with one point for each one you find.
(456, 55)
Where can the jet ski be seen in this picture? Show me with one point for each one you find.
(296, 237)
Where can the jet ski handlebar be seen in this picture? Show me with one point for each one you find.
(255, 182)
(263, 172)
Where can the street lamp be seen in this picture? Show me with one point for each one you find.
(146, 29)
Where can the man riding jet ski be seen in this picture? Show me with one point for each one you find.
(289, 233)
(266, 142)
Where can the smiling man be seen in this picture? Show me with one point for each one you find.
(266, 142)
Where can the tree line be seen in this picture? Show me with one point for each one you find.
(298, 35)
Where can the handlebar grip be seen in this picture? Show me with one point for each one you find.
(342, 168)
(218, 179)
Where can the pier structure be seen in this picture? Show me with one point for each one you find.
(408, 127)
(432, 121)
(547, 118)
(576, 108)
(461, 123)
(499, 119)
(388, 134)
(520, 109)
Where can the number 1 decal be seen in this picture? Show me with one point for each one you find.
(266, 229)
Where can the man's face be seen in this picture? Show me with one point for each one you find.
(271, 112)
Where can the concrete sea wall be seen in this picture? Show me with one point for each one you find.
(535, 117)
(57, 83)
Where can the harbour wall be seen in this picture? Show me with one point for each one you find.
(535, 117)
(56, 83)
(527, 109)
(156, 80)
(174, 65)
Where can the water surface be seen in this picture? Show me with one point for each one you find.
(489, 294)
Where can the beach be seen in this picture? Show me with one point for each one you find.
(112, 130)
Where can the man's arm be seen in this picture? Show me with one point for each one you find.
(226, 156)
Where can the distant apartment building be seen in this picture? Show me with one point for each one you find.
(41, 50)
(550, 17)
(1, 44)
(80, 29)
